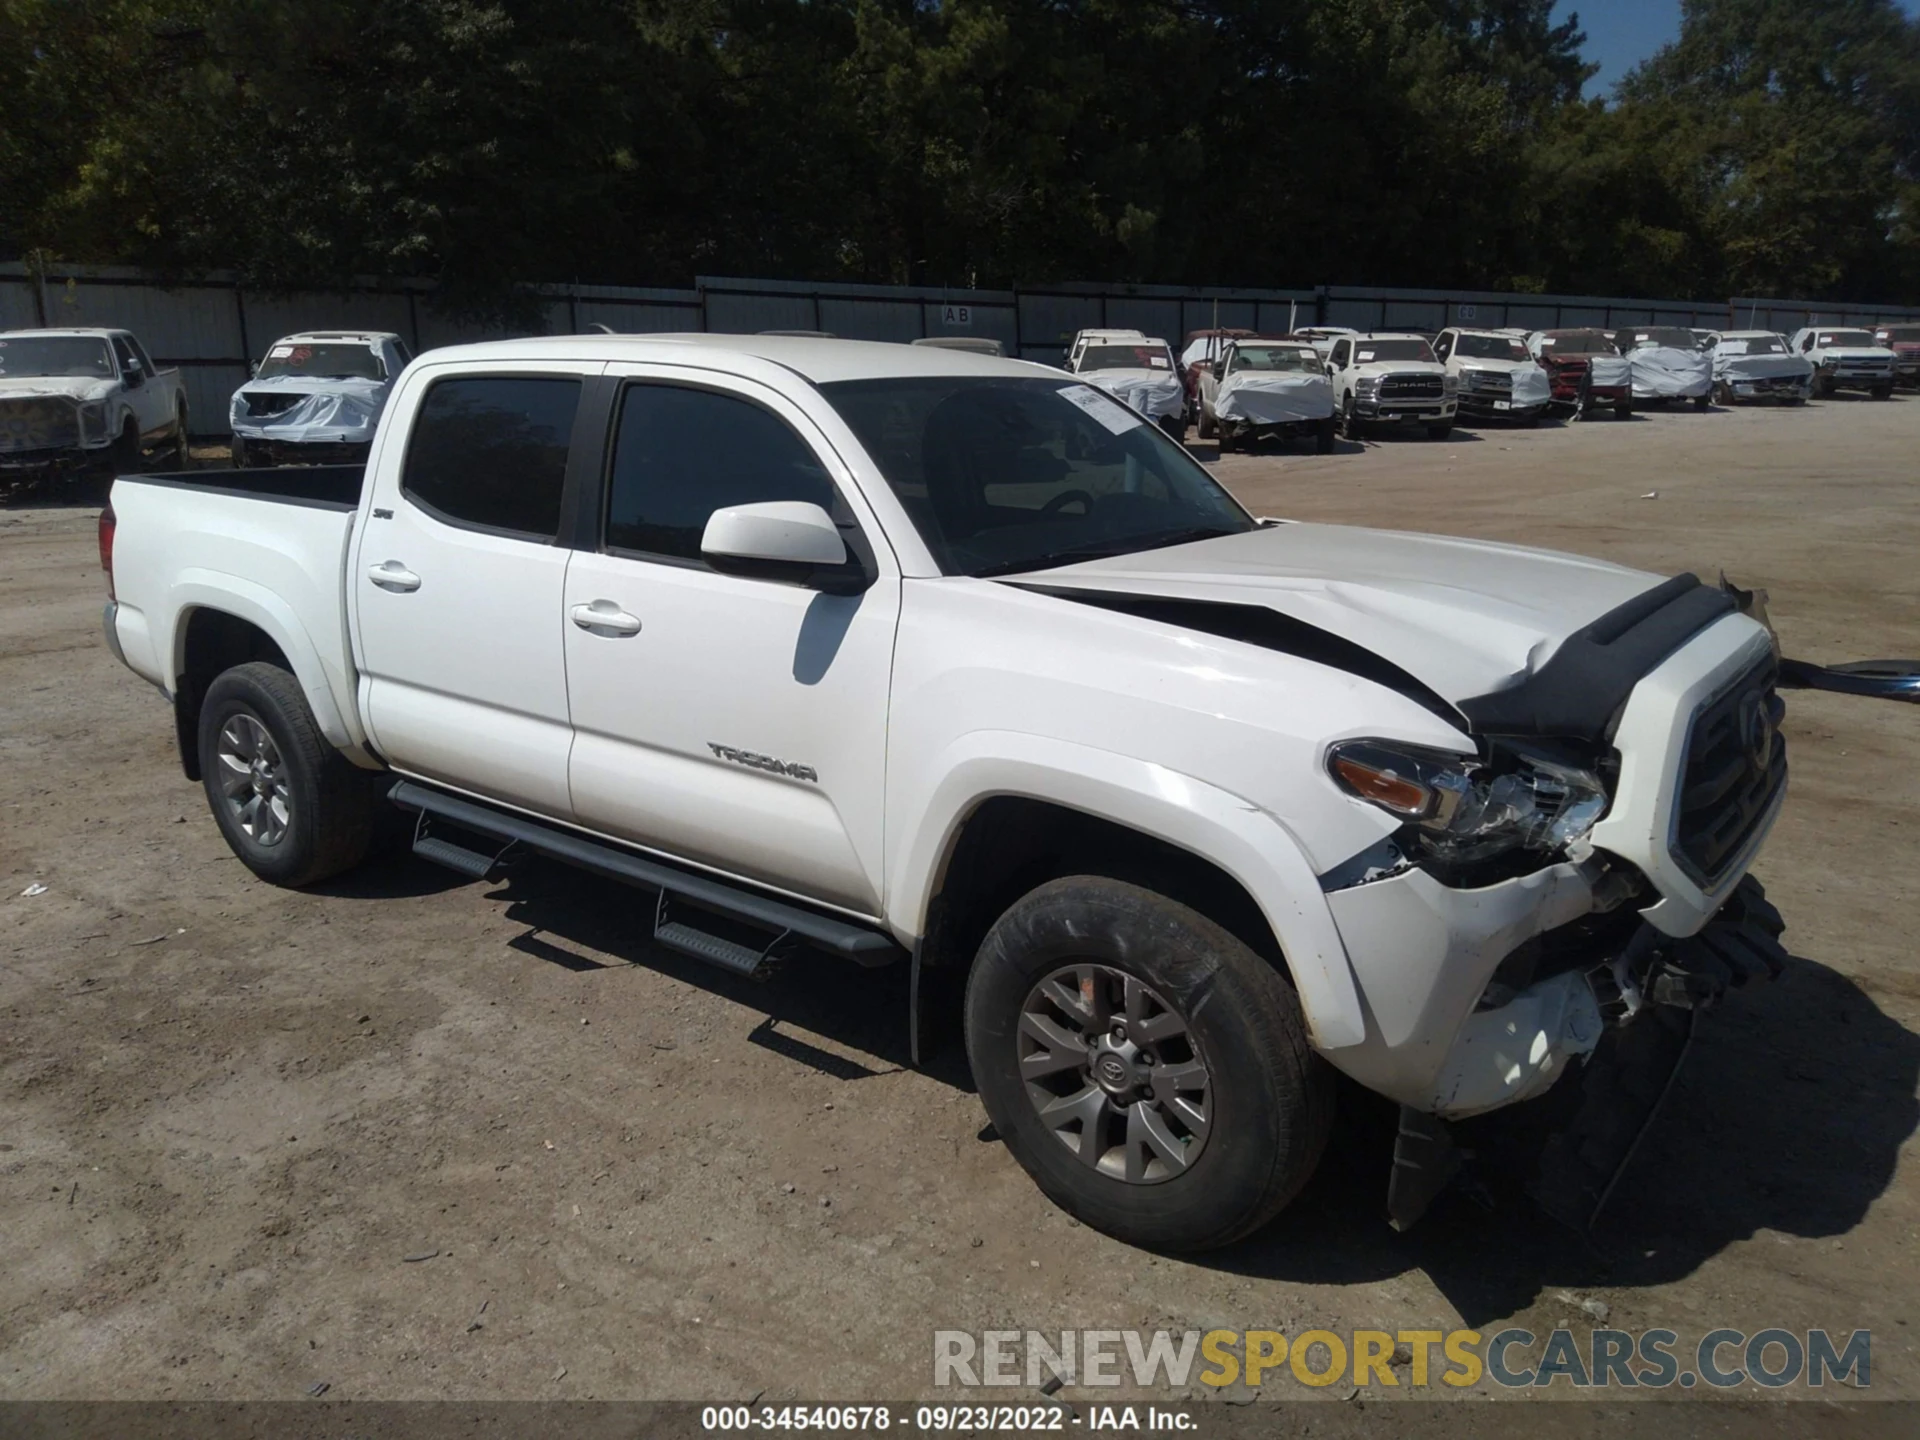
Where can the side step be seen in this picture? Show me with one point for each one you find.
(470, 863)
(788, 921)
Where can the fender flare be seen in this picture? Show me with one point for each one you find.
(1248, 843)
(199, 589)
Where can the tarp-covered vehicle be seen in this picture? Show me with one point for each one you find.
(1759, 365)
(1666, 363)
(1585, 371)
(1263, 389)
(316, 399)
(1138, 372)
(1498, 379)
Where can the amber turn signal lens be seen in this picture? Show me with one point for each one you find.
(1396, 792)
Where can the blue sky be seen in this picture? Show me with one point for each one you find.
(1622, 33)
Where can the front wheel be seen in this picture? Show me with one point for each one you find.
(182, 450)
(1439, 432)
(290, 806)
(1349, 418)
(1623, 409)
(1702, 402)
(1323, 436)
(1148, 1070)
(1883, 392)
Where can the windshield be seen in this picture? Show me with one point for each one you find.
(1490, 347)
(1753, 345)
(1846, 337)
(1900, 335)
(1276, 357)
(1411, 349)
(67, 357)
(1126, 357)
(1004, 475)
(356, 361)
(1577, 342)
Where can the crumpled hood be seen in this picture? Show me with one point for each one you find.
(18, 386)
(1273, 397)
(1465, 617)
(1151, 392)
(324, 410)
(1853, 352)
(1663, 370)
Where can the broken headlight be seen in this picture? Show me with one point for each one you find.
(1460, 809)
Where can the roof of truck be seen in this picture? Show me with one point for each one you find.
(352, 337)
(821, 361)
(95, 331)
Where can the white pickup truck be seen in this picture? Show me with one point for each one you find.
(913, 655)
(72, 399)
(1845, 359)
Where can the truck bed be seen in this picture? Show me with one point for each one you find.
(330, 487)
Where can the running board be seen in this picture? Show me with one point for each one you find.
(845, 938)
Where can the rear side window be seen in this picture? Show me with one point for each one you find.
(681, 454)
(489, 452)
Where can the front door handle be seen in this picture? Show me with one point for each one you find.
(605, 615)
(392, 575)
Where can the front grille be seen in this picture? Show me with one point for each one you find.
(1495, 380)
(1411, 387)
(270, 402)
(1736, 764)
(39, 422)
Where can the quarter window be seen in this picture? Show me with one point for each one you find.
(490, 452)
(680, 454)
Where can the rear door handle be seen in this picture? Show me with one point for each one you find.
(392, 575)
(605, 615)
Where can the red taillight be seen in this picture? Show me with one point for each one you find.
(107, 524)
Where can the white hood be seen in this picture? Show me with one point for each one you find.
(1467, 617)
(82, 390)
(1854, 352)
(1153, 393)
(1273, 397)
(1760, 367)
(337, 410)
(1661, 371)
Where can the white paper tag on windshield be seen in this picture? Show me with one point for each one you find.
(1365, 355)
(1104, 408)
(280, 352)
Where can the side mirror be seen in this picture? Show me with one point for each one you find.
(131, 375)
(792, 540)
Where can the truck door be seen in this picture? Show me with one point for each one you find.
(148, 401)
(734, 721)
(457, 581)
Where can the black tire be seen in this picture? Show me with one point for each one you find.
(1439, 432)
(330, 803)
(1349, 418)
(126, 454)
(1822, 386)
(1175, 427)
(182, 450)
(1323, 436)
(1722, 393)
(1225, 440)
(237, 452)
(1623, 409)
(1883, 392)
(1703, 402)
(1203, 425)
(1270, 1102)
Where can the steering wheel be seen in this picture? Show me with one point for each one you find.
(1066, 498)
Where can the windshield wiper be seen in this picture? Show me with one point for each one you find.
(1106, 549)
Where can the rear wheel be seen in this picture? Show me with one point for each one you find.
(1147, 1069)
(181, 450)
(290, 806)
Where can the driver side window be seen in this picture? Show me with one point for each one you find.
(1340, 355)
(1445, 346)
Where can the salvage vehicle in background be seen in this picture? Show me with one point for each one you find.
(1846, 359)
(316, 398)
(1759, 365)
(1390, 378)
(1904, 340)
(1136, 370)
(972, 344)
(1585, 370)
(1323, 336)
(975, 671)
(1666, 363)
(1198, 352)
(1267, 389)
(80, 399)
(1497, 378)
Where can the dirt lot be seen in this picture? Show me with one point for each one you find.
(229, 1114)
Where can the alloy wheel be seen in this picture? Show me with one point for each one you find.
(1112, 1070)
(254, 780)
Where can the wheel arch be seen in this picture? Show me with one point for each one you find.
(1001, 823)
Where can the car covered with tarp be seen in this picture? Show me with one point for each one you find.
(1267, 388)
(316, 398)
(1666, 363)
(1759, 365)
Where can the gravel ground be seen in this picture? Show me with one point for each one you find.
(233, 1118)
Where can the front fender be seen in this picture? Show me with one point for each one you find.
(1250, 844)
